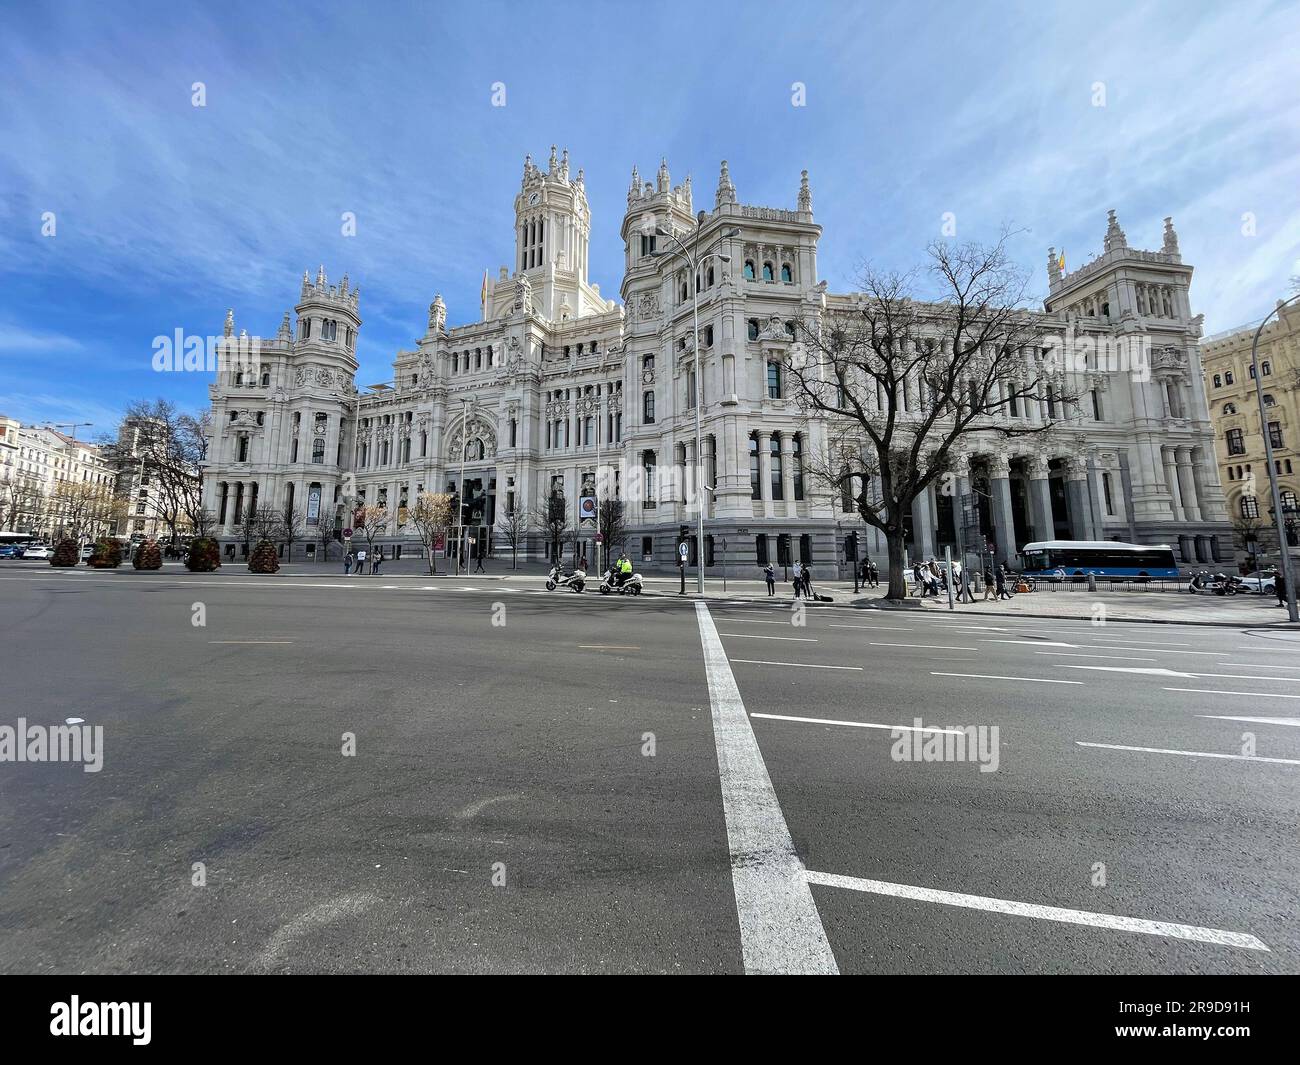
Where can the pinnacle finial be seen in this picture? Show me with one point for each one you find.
(1171, 237)
(726, 190)
(230, 322)
(1115, 238)
(805, 193)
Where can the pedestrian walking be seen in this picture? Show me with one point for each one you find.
(806, 575)
(797, 582)
(769, 575)
(348, 559)
(988, 584)
(1001, 575)
(1279, 586)
(873, 574)
(478, 563)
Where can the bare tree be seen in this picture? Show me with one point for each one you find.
(326, 532)
(289, 528)
(80, 509)
(204, 522)
(553, 519)
(900, 382)
(162, 446)
(613, 526)
(21, 500)
(512, 525)
(431, 517)
(370, 521)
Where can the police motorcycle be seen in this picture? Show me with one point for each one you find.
(577, 580)
(613, 583)
(1207, 583)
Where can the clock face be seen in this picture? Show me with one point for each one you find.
(534, 199)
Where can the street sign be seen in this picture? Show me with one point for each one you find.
(347, 534)
(683, 550)
(600, 538)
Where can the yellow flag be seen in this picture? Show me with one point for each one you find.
(482, 295)
(1061, 262)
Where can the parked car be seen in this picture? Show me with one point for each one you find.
(37, 551)
(1261, 581)
(11, 551)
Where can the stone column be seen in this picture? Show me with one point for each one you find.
(710, 460)
(1004, 523)
(787, 472)
(1209, 490)
(1096, 498)
(923, 526)
(1076, 494)
(1171, 482)
(1040, 498)
(1187, 483)
(765, 470)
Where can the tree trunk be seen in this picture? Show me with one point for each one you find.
(897, 578)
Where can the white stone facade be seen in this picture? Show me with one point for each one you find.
(557, 387)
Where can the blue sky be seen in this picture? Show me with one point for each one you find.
(167, 213)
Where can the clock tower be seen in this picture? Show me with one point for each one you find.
(552, 233)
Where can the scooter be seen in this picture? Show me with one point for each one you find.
(577, 580)
(632, 586)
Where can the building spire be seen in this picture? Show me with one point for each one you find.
(805, 193)
(726, 190)
(1115, 238)
(553, 162)
(1171, 237)
(1053, 266)
(229, 329)
(663, 183)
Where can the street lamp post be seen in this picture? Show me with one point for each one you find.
(464, 448)
(1279, 517)
(692, 262)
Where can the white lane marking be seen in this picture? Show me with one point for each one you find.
(1295, 721)
(1248, 676)
(1163, 651)
(800, 665)
(860, 724)
(780, 929)
(1256, 665)
(877, 628)
(1216, 936)
(1032, 643)
(1189, 754)
(1126, 639)
(1253, 695)
(242, 642)
(990, 676)
(743, 621)
(1150, 670)
(927, 646)
(751, 636)
(1104, 658)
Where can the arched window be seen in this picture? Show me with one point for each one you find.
(1249, 507)
(749, 269)
(1227, 378)
(1268, 401)
(796, 455)
(774, 448)
(318, 449)
(768, 273)
(786, 273)
(683, 292)
(1218, 381)
(1265, 368)
(1231, 408)
(789, 330)
(755, 486)
(266, 380)
(751, 328)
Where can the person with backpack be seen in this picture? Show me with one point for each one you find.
(348, 559)
(805, 575)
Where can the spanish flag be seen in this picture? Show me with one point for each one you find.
(1061, 262)
(482, 294)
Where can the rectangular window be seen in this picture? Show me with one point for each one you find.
(805, 549)
(1236, 443)
(773, 381)
(1105, 488)
(1096, 406)
(648, 408)
(647, 549)
(760, 549)
(1275, 434)
(690, 389)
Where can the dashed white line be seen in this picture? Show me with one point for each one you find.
(1189, 754)
(860, 724)
(927, 646)
(1215, 691)
(991, 676)
(799, 665)
(1216, 936)
(1295, 721)
(780, 928)
(1105, 658)
(751, 636)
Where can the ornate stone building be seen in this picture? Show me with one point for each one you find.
(1239, 431)
(557, 389)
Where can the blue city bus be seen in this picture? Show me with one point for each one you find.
(1105, 558)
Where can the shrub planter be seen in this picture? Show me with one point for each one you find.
(264, 558)
(148, 556)
(66, 553)
(106, 554)
(204, 556)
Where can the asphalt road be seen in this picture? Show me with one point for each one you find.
(551, 782)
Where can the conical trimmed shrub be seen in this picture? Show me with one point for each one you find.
(264, 558)
(148, 556)
(204, 556)
(65, 553)
(106, 554)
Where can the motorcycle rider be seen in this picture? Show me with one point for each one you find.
(624, 572)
